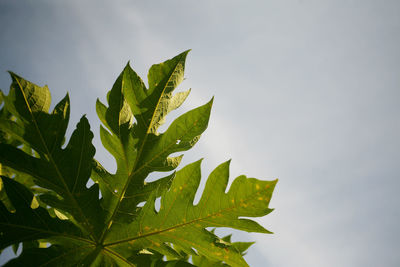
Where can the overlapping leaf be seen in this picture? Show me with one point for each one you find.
(137, 147)
(239, 247)
(64, 172)
(30, 222)
(183, 224)
(86, 230)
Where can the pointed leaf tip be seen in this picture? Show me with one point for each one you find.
(128, 65)
(11, 73)
(186, 52)
(67, 97)
(211, 101)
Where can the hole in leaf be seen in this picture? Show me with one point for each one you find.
(141, 204)
(89, 183)
(157, 204)
(178, 141)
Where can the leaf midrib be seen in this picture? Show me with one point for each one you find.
(118, 256)
(218, 213)
(138, 155)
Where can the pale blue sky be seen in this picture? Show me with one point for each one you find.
(306, 91)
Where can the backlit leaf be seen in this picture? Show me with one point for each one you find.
(66, 209)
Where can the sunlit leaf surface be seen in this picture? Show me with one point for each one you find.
(47, 206)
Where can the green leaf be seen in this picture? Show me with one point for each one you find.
(137, 147)
(52, 256)
(146, 258)
(49, 207)
(240, 247)
(64, 171)
(30, 103)
(177, 217)
(26, 223)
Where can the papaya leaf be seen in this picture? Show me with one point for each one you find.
(47, 205)
(139, 148)
(28, 223)
(64, 171)
(177, 217)
(240, 247)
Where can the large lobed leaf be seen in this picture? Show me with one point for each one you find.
(64, 172)
(180, 222)
(47, 201)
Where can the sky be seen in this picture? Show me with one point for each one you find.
(305, 91)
